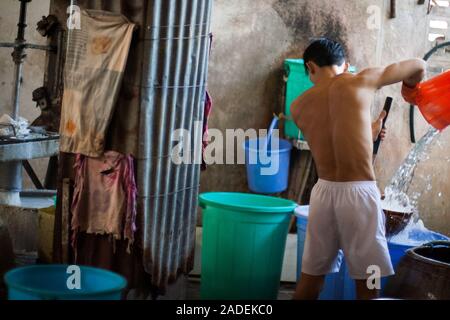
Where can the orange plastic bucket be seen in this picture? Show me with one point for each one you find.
(433, 100)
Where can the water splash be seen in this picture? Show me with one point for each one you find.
(396, 192)
(404, 236)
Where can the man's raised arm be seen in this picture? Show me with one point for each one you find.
(411, 72)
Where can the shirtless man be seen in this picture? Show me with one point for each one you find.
(345, 211)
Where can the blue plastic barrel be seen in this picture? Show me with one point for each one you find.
(267, 165)
(333, 281)
(49, 282)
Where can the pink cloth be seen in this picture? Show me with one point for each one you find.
(104, 200)
(206, 114)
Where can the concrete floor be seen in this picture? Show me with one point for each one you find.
(286, 291)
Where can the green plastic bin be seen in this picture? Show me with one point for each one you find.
(297, 83)
(244, 237)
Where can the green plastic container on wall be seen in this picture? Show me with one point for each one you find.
(297, 83)
(244, 237)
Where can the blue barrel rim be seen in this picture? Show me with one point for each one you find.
(438, 236)
(286, 149)
(288, 208)
(51, 293)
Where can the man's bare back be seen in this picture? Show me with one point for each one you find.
(335, 119)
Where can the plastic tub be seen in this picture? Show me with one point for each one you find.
(49, 282)
(244, 237)
(267, 166)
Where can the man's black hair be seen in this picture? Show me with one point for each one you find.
(324, 52)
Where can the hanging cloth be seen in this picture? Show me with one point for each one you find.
(104, 200)
(96, 55)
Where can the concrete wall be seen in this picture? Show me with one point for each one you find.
(34, 66)
(251, 40)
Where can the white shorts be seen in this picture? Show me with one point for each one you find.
(347, 216)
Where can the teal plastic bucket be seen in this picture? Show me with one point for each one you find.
(49, 282)
(244, 237)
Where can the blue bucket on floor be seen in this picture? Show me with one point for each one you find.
(49, 282)
(267, 164)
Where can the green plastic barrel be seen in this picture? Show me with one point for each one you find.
(244, 237)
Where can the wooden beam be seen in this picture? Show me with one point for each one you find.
(65, 220)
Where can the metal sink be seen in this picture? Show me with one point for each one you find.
(31, 147)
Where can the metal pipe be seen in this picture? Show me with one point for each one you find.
(18, 57)
(16, 89)
(22, 20)
(28, 46)
(11, 176)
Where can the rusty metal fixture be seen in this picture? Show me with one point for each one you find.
(48, 26)
(50, 114)
(42, 98)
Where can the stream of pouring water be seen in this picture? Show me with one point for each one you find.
(396, 193)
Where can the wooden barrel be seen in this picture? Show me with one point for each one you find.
(422, 274)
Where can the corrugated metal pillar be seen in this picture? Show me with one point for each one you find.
(172, 97)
